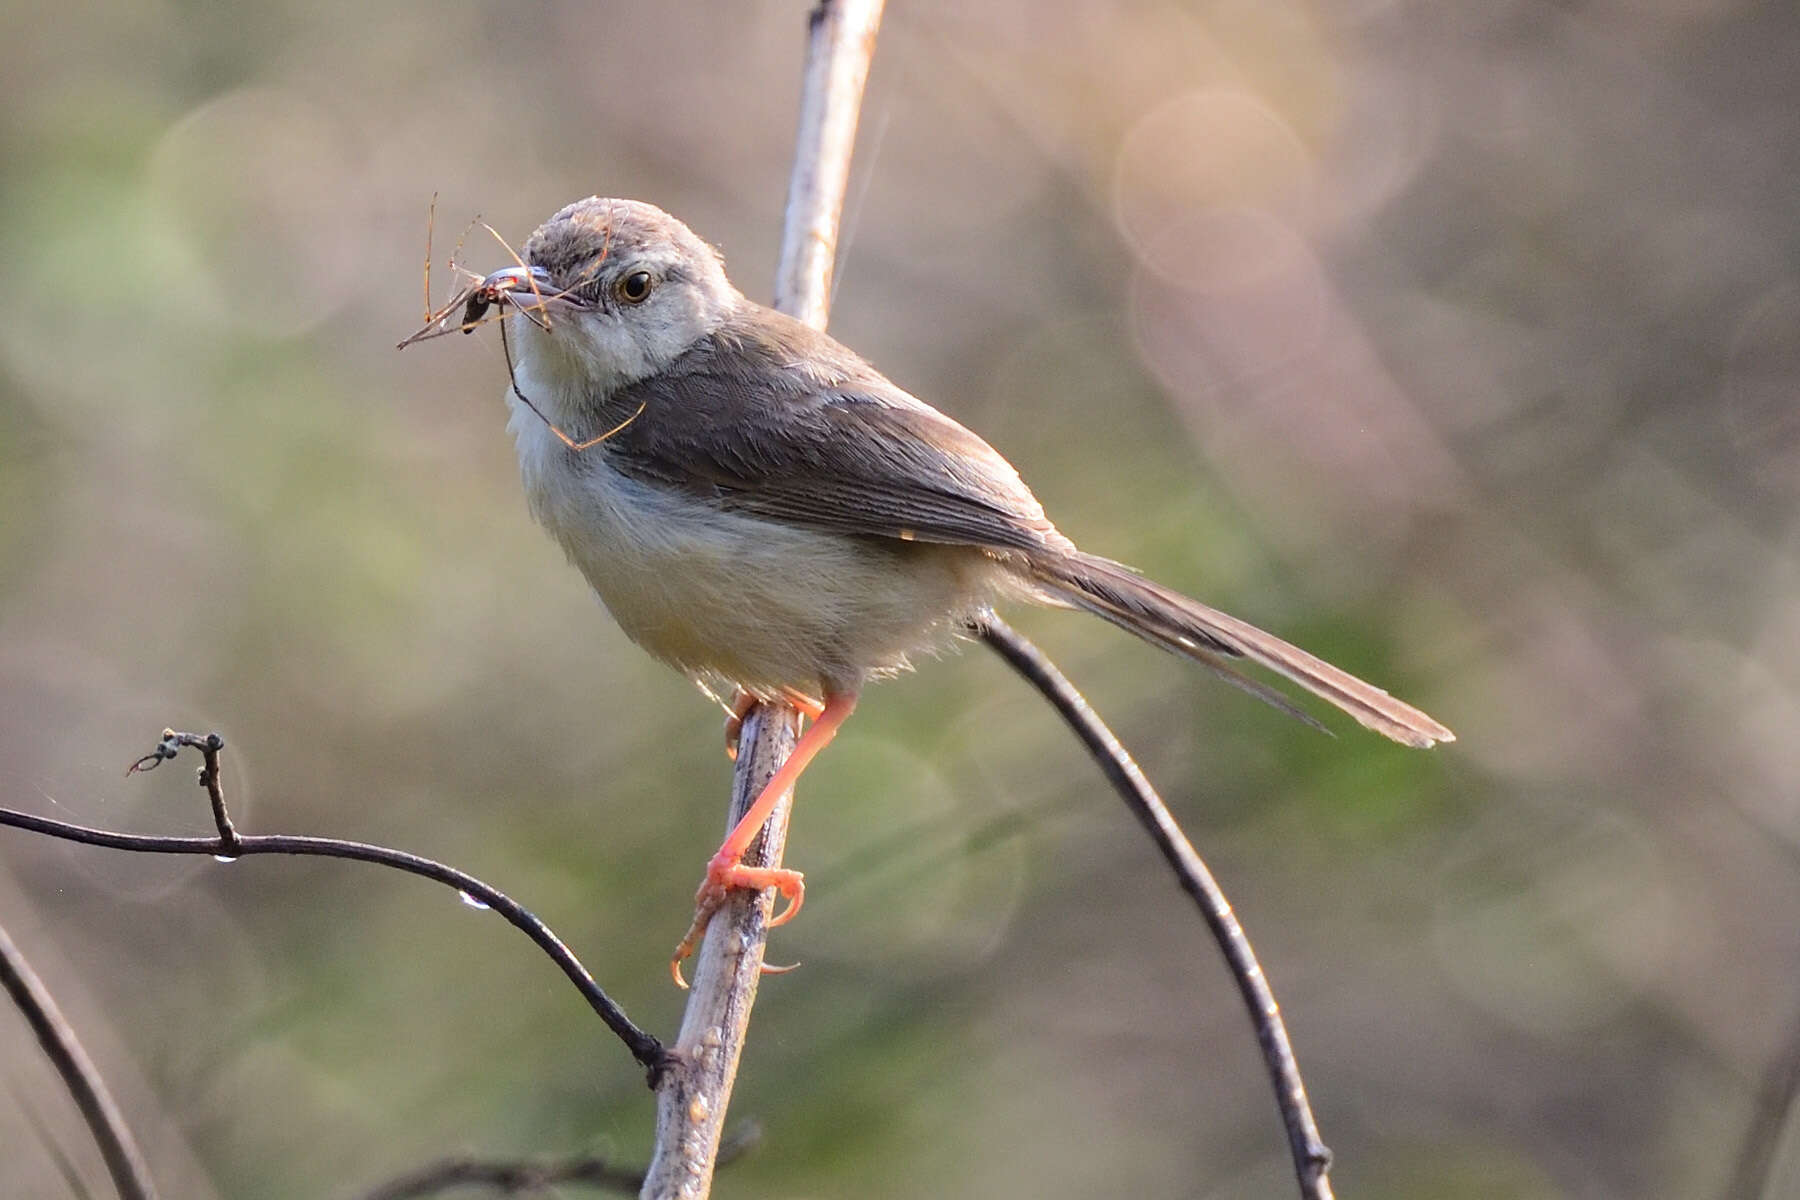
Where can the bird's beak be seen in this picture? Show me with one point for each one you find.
(513, 280)
(499, 289)
(526, 287)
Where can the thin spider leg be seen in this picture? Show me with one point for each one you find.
(435, 321)
(540, 305)
(595, 441)
(430, 224)
(456, 251)
(565, 439)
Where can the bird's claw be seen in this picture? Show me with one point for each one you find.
(735, 712)
(723, 873)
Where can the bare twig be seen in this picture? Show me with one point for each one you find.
(229, 844)
(1312, 1159)
(517, 1177)
(130, 1174)
(209, 746)
(695, 1093)
(840, 45)
(513, 1178)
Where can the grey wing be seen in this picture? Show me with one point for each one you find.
(803, 431)
(800, 430)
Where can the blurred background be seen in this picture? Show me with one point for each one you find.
(1457, 343)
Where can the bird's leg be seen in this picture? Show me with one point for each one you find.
(726, 869)
(813, 708)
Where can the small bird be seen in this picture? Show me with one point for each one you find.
(764, 511)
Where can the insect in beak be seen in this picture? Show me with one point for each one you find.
(504, 285)
(522, 287)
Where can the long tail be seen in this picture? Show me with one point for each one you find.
(1189, 628)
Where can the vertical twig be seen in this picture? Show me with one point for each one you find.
(1312, 1159)
(124, 1163)
(840, 45)
(694, 1093)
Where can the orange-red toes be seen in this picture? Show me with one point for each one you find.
(792, 887)
(722, 875)
(802, 702)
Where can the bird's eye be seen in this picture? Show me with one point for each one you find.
(634, 288)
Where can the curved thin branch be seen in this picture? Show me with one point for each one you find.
(511, 1177)
(230, 844)
(124, 1162)
(692, 1102)
(1312, 1158)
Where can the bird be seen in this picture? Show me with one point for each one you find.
(765, 512)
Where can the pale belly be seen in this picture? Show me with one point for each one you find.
(755, 603)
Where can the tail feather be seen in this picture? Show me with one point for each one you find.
(1187, 627)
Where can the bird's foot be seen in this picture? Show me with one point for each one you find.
(723, 873)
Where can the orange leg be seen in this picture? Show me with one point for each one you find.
(726, 869)
(806, 704)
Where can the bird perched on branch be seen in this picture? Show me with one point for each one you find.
(760, 508)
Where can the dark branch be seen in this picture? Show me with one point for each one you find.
(527, 1176)
(1312, 1159)
(209, 747)
(124, 1163)
(229, 844)
(508, 1178)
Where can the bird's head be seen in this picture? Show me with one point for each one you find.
(612, 292)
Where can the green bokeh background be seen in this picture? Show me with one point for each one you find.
(1458, 343)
